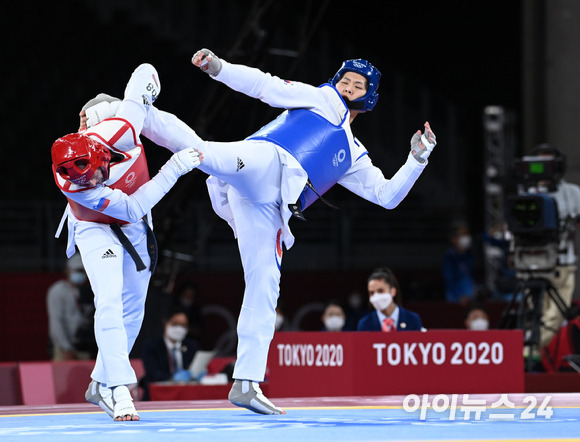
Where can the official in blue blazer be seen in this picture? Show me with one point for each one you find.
(167, 357)
(388, 316)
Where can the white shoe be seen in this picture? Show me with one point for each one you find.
(248, 394)
(123, 404)
(101, 396)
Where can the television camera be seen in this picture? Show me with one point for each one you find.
(538, 237)
(533, 218)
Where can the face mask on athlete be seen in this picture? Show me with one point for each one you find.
(381, 301)
(334, 323)
(176, 332)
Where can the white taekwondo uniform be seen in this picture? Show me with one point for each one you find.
(253, 183)
(125, 198)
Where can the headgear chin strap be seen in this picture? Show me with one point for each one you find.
(354, 105)
(373, 76)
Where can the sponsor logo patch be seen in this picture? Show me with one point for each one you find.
(240, 165)
(108, 254)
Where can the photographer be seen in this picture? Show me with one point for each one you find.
(567, 197)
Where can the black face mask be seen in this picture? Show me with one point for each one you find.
(354, 105)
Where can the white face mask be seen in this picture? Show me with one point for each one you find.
(279, 321)
(479, 324)
(381, 301)
(186, 302)
(78, 278)
(334, 323)
(355, 301)
(464, 242)
(176, 332)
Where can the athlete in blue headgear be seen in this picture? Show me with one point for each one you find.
(257, 184)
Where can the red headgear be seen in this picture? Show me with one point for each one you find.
(76, 158)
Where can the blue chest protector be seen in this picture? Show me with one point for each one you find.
(321, 148)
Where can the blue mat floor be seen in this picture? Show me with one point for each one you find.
(365, 419)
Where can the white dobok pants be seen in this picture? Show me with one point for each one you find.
(120, 293)
(253, 171)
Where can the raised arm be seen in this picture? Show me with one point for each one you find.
(368, 181)
(253, 82)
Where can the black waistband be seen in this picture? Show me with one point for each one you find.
(151, 247)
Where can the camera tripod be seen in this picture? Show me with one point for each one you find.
(527, 306)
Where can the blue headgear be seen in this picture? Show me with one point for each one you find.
(368, 71)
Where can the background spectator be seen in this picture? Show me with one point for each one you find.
(186, 297)
(168, 357)
(477, 318)
(384, 295)
(282, 323)
(458, 265)
(333, 318)
(356, 308)
(70, 306)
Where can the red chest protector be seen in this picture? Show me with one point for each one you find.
(127, 175)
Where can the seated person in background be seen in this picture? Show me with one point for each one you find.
(282, 323)
(458, 265)
(506, 280)
(186, 297)
(563, 351)
(383, 289)
(167, 357)
(356, 308)
(65, 312)
(333, 317)
(477, 318)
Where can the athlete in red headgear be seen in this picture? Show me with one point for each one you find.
(76, 158)
(103, 173)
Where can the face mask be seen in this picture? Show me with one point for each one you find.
(380, 301)
(279, 321)
(540, 188)
(479, 324)
(334, 323)
(186, 302)
(78, 278)
(176, 332)
(464, 242)
(355, 301)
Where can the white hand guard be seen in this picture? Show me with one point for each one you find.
(100, 108)
(212, 66)
(144, 84)
(422, 144)
(98, 99)
(185, 160)
(99, 112)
